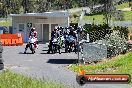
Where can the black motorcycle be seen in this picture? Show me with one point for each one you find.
(54, 46)
(70, 43)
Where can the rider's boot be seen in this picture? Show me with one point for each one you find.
(59, 49)
(48, 50)
(59, 52)
(25, 50)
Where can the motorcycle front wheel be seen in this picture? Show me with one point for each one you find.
(32, 48)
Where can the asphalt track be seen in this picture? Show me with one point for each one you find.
(53, 67)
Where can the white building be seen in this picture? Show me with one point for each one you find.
(43, 22)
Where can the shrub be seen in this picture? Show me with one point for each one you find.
(123, 31)
(97, 32)
(116, 44)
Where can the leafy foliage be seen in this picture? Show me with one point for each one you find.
(115, 39)
(123, 31)
(97, 32)
(116, 43)
(26, 6)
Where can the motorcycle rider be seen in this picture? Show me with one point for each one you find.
(61, 37)
(32, 34)
(72, 33)
(54, 34)
(66, 32)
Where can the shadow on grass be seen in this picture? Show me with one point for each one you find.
(62, 61)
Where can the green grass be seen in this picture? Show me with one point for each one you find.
(74, 20)
(10, 79)
(5, 23)
(128, 15)
(97, 18)
(121, 64)
(122, 6)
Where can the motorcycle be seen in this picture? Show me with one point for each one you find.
(69, 44)
(62, 39)
(31, 44)
(54, 46)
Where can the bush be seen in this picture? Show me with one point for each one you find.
(123, 31)
(116, 44)
(97, 32)
(115, 38)
(75, 15)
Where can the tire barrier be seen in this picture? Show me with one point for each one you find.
(11, 39)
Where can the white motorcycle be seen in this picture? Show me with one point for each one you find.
(56, 46)
(31, 44)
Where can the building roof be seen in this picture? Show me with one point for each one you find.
(45, 14)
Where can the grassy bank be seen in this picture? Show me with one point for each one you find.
(12, 80)
(122, 6)
(97, 18)
(121, 64)
(128, 15)
(5, 23)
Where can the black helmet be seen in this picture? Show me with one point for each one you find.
(32, 29)
(55, 29)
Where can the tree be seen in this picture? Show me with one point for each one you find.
(4, 8)
(25, 4)
(1, 9)
(130, 3)
(15, 6)
(42, 6)
(108, 10)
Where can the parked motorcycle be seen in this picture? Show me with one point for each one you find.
(54, 46)
(62, 41)
(69, 44)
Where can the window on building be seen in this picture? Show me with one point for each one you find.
(53, 26)
(21, 27)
